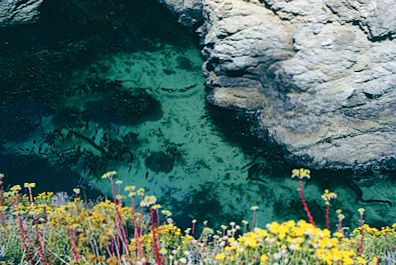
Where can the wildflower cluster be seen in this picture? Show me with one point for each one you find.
(289, 243)
(56, 229)
(47, 230)
(379, 244)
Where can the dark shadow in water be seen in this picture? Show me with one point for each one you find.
(38, 60)
(123, 106)
(19, 119)
(19, 169)
(159, 162)
(240, 128)
(268, 159)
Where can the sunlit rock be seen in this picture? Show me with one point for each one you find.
(13, 12)
(325, 72)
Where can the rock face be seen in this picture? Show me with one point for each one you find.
(13, 12)
(190, 12)
(320, 74)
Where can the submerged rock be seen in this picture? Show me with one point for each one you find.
(321, 75)
(13, 12)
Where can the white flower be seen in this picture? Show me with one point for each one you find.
(142, 261)
(2, 249)
(254, 208)
(118, 182)
(148, 201)
(270, 240)
(293, 247)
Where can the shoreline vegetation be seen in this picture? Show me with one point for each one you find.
(132, 228)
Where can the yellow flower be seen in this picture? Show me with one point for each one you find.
(15, 188)
(374, 261)
(341, 217)
(261, 232)
(109, 174)
(360, 260)
(338, 235)
(29, 185)
(220, 257)
(167, 213)
(156, 206)
(120, 197)
(301, 173)
(263, 259)
(112, 261)
(140, 192)
(130, 188)
(148, 201)
(327, 196)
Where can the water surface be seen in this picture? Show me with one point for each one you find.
(85, 93)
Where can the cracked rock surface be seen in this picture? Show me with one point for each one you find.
(321, 74)
(13, 12)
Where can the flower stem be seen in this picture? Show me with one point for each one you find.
(253, 224)
(328, 216)
(155, 239)
(73, 242)
(361, 221)
(305, 205)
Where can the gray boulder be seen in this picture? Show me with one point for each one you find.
(189, 12)
(321, 74)
(13, 12)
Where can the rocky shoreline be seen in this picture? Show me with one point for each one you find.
(319, 75)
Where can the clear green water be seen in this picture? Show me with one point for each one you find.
(128, 96)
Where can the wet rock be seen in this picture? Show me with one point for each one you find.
(321, 75)
(189, 11)
(14, 12)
